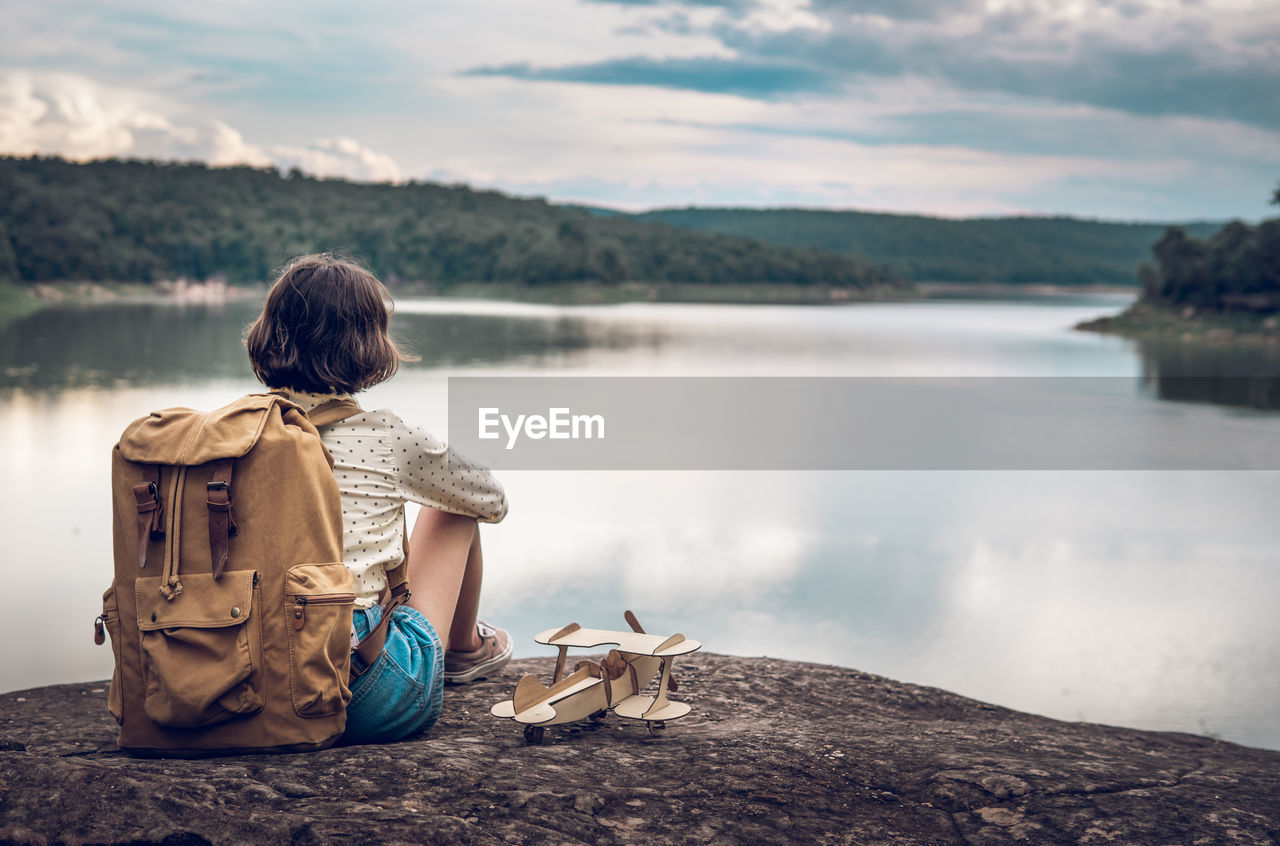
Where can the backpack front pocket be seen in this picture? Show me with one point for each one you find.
(318, 600)
(201, 651)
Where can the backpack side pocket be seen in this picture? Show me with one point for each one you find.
(201, 660)
(318, 600)
(111, 622)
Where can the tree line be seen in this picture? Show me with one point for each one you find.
(1008, 250)
(144, 221)
(1237, 268)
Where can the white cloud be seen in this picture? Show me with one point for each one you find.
(339, 157)
(228, 147)
(785, 15)
(73, 116)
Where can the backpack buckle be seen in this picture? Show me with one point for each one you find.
(218, 499)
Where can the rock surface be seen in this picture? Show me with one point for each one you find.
(774, 752)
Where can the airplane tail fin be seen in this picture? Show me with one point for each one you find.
(529, 692)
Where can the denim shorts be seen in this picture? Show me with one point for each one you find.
(401, 693)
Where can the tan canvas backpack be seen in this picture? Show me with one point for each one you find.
(230, 611)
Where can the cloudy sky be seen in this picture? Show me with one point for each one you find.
(1123, 109)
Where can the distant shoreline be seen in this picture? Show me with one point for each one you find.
(1145, 320)
(23, 300)
(579, 293)
(936, 289)
(20, 300)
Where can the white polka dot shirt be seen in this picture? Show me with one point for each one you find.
(382, 462)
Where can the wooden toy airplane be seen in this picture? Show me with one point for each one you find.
(592, 689)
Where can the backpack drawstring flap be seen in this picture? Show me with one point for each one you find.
(172, 584)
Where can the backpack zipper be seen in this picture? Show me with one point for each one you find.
(300, 604)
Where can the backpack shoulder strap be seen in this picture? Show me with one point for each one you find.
(397, 592)
(328, 413)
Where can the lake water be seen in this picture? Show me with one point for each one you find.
(1137, 598)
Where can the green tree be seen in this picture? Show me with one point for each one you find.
(1238, 267)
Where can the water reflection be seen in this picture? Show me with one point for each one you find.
(121, 345)
(1234, 375)
(133, 344)
(1133, 598)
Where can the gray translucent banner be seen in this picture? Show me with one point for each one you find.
(871, 423)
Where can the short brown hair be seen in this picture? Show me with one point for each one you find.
(323, 329)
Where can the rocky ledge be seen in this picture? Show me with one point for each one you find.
(773, 752)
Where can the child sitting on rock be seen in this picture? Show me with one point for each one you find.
(322, 334)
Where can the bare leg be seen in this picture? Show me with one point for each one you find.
(445, 569)
(462, 632)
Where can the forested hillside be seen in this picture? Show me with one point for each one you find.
(146, 221)
(1017, 250)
